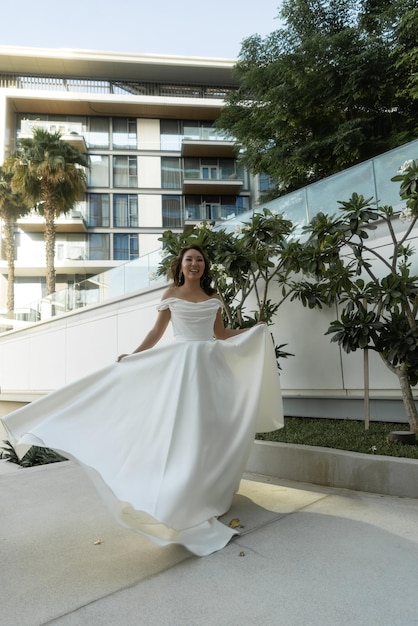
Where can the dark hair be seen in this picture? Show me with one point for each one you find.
(178, 278)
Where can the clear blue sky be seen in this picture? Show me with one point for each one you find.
(175, 27)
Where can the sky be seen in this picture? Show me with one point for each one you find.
(212, 29)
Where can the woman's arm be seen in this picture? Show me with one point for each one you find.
(154, 335)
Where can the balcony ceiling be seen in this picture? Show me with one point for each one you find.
(36, 224)
(131, 106)
(199, 148)
(90, 64)
(212, 187)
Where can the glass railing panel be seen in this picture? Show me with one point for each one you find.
(324, 195)
(133, 276)
(292, 206)
(386, 166)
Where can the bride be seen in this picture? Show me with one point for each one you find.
(165, 433)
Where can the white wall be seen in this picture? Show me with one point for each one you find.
(148, 131)
(149, 172)
(51, 354)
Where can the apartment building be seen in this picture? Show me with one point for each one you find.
(156, 161)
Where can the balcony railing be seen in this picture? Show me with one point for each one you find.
(115, 283)
(74, 221)
(55, 83)
(71, 132)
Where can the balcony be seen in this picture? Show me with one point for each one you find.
(72, 222)
(71, 132)
(208, 148)
(214, 185)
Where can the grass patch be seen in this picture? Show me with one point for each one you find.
(343, 435)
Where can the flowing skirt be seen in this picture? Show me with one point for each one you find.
(165, 434)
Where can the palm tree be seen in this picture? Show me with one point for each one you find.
(49, 173)
(12, 206)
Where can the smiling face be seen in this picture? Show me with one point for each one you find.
(193, 265)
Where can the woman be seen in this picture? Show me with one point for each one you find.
(165, 433)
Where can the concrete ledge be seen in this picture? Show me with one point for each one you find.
(392, 476)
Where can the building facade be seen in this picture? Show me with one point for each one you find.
(156, 160)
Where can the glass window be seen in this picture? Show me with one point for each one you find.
(125, 210)
(99, 210)
(170, 135)
(172, 212)
(98, 174)
(170, 173)
(227, 168)
(264, 182)
(97, 135)
(99, 247)
(124, 133)
(231, 206)
(71, 246)
(191, 130)
(192, 167)
(209, 169)
(125, 247)
(125, 171)
(200, 208)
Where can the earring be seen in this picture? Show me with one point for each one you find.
(180, 278)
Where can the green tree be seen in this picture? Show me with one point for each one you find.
(377, 292)
(50, 175)
(406, 63)
(327, 90)
(12, 206)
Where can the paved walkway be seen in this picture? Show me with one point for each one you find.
(307, 556)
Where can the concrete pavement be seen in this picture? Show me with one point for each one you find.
(307, 556)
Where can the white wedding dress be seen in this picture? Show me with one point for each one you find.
(165, 434)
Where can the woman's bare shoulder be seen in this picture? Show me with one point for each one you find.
(170, 292)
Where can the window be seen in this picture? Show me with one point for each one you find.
(264, 182)
(201, 208)
(99, 247)
(192, 168)
(210, 168)
(172, 212)
(99, 210)
(98, 175)
(170, 135)
(125, 247)
(125, 210)
(71, 246)
(173, 132)
(124, 133)
(97, 135)
(170, 173)
(125, 171)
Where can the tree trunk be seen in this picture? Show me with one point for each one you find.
(50, 249)
(9, 245)
(401, 372)
(407, 397)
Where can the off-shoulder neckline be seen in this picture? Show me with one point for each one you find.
(191, 301)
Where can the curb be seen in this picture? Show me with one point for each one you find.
(391, 476)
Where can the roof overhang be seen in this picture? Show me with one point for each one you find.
(90, 64)
(53, 103)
